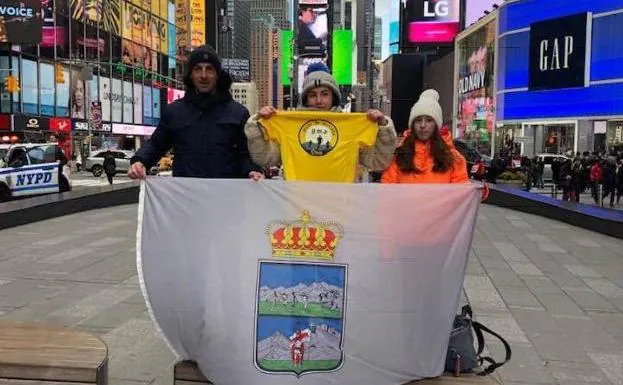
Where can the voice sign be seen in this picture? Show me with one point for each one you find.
(440, 8)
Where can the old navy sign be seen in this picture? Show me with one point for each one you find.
(472, 82)
(558, 52)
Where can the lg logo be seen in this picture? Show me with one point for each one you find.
(439, 8)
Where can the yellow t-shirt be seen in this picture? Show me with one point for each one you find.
(320, 146)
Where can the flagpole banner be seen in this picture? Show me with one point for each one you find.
(274, 283)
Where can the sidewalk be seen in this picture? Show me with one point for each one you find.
(585, 198)
(553, 290)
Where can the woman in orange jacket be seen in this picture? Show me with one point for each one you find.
(425, 155)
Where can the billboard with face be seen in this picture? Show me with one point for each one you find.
(313, 27)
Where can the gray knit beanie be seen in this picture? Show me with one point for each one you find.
(320, 79)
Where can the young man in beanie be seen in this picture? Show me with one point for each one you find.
(205, 128)
(321, 94)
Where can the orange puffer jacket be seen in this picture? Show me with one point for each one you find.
(424, 162)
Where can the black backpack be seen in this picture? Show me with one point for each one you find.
(461, 356)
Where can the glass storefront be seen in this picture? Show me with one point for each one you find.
(94, 51)
(614, 135)
(476, 101)
(549, 138)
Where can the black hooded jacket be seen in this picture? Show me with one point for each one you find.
(206, 133)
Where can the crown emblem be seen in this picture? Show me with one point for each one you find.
(304, 238)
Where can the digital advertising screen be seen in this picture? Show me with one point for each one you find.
(313, 27)
(431, 21)
(20, 21)
(476, 100)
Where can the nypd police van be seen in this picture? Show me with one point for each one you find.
(33, 169)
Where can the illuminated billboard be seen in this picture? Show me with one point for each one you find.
(312, 32)
(20, 21)
(431, 21)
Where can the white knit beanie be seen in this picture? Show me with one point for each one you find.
(427, 105)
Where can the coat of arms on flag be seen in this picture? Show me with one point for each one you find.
(301, 299)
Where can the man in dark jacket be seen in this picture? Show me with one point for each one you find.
(205, 128)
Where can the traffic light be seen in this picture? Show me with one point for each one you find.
(59, 74)
(11, 84)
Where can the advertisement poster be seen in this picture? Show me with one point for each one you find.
(155, 101)
(21, 21)
(79, 96)
(172, 34)
(106, 13)
(140, 27)
(172, 42)
(174, 94)
(147, 109)
(51, 35)
(46, 89)
(138, 103)
(476, 102)
(239, 69)
(139, 56)
(116, 101)
(197, 23)
(29, 87)
(104, 86)
(128, 103)
(62, 95)
(156, 7)
(431, 21)
(313, 27)
(182, 23)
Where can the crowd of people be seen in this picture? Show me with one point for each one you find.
(599, 173)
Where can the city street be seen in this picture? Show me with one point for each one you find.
(83, 179)
(555, 292)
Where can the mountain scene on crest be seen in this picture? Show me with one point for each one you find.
(318, 299)
(321, 352)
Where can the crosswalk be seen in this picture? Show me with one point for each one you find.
(97, 182)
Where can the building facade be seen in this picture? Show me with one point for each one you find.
(262, 32)
(378, 38)
(246, 94)
(276, 8)
(103, 70)
(235, 33)
(559, 76)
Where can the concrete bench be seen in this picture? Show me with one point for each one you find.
(43, 355)
(187, 373)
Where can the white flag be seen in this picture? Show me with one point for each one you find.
(272, 283)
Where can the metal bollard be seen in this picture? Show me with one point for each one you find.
(600, 197)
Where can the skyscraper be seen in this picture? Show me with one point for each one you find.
(277, 86)
(276, 8)
(378, 38)
(235, 32)
(262, 58)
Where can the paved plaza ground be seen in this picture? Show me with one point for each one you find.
(553, 290)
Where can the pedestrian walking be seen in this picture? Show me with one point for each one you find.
(110, 166)
(205, 128)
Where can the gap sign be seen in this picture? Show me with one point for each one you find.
(558, 53)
